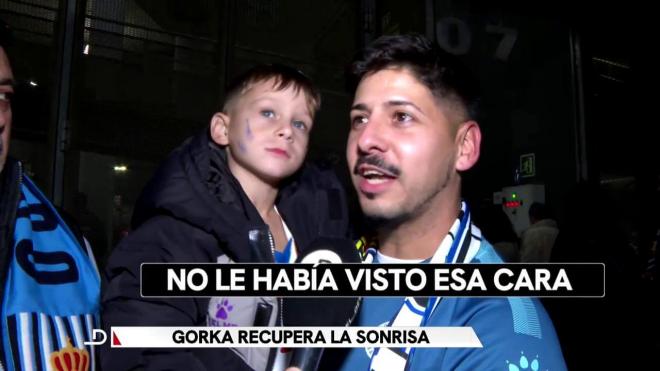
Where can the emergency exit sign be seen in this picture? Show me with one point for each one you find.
(527, 165)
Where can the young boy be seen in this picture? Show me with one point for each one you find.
(238, 192)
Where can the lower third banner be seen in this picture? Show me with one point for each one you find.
(293, 337)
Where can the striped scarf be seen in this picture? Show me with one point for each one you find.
(51, 300)
(459, 246)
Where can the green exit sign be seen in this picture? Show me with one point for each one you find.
(527, 165)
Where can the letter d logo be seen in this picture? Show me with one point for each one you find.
(96, 332)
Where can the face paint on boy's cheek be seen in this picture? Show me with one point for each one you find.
(241, 147)
(248, 130)
(248, 135)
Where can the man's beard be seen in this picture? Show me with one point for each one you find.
(381, 221)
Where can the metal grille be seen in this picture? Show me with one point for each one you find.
(261, 13)
(123, 31)
(32, 21)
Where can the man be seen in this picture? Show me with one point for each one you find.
(413, 132)
(49, 286)
(537, 240)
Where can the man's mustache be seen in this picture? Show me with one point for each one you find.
(377, 161)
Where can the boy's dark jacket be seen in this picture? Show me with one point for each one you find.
(194, 210)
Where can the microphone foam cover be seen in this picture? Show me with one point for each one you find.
(323, 311)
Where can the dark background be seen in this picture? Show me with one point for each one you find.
(104, 84)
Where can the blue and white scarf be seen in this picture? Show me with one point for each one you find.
(52, 292)
(459, 246)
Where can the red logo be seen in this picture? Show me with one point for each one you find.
(115, 339)
(70, 358)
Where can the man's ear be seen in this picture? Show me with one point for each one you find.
(220, 128)
(468, 139)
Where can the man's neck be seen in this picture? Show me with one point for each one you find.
(420, 236)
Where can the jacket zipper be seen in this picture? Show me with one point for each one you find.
(20, 174)
(271, 240)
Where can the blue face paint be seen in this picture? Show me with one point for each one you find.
(241, 147)
(248, 131)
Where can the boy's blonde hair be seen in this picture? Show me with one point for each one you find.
(283, 77)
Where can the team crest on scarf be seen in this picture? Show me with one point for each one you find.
(70, 358)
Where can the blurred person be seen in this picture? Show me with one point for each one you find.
(539, 238)
(50, 286)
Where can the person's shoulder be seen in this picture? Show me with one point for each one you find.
(515, 315)
(526, 329)
(159, 224)
(160, 232)
(486, 254)
(160, 239)
(512, 330)
(317, 192)
(508, 316)
(318, 176)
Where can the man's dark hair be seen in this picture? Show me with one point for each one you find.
(441, 72)
(284, 77)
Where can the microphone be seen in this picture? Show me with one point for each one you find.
(315, 312)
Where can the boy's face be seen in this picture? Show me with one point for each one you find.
(267, 132)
